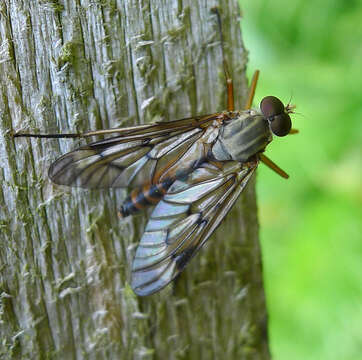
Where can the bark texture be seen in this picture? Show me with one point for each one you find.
(65, 256)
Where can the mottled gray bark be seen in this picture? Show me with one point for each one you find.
(65, 255)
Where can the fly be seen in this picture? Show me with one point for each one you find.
(191, 170)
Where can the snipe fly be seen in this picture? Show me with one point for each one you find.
(191, 170)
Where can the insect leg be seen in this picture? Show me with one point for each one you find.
(230, 89)
(48, 136)
(272, 165)
(250, 98)
(79, 135)
(293, 131)
(228, 78)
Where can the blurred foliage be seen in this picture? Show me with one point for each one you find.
(311, 51)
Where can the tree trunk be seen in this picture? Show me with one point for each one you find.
(77, 65)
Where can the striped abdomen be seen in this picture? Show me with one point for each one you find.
(145, 196)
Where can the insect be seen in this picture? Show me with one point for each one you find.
(192, 170)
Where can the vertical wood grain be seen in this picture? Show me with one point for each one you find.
(65, 256)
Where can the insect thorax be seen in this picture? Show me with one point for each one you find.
(242, 136)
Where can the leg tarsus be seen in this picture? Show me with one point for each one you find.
(269, 163)
(47, 136)
(250, 98)
(228, 78)
(230, 88)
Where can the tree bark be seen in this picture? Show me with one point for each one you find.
(77, 65)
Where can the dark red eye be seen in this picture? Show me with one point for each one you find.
(281, 124)
(271, 106)
(274, 111)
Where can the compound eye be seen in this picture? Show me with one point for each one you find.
(274, 111)
(281, 124)
(271, 106)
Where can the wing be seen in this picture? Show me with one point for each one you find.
(183, 221)
(137, 154)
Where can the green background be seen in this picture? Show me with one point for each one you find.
(311, 51)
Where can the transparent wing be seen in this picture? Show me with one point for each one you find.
(137, 154)
(183, 221)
